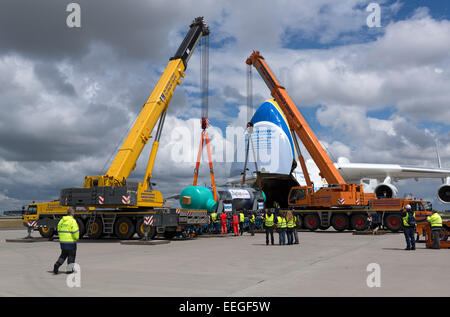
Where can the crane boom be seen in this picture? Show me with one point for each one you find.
(296, 121)
(154, 109)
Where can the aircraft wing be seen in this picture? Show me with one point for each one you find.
(356, 171)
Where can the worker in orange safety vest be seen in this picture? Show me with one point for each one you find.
(223, 222)
(235, 223)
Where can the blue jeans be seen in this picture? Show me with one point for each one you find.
(290, 235)
(282, 236)
(409, 236)
(296, 236)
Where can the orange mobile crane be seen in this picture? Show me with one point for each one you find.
(340, 204)
(339, 193)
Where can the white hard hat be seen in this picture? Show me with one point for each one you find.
(408, 206)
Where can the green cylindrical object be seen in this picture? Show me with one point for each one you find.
(197, 197)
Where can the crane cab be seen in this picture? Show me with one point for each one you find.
(300, 196)
(340, 195)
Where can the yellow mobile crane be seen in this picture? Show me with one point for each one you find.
(120, 206)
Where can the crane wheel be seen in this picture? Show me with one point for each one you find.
(340, 222)
(359, 222)
(311, 222)
(95, 229)
(81, 228)
(46, 232)
(300, 222)
(393, 222)
(140, 229)
(443, 235)
(124, 228)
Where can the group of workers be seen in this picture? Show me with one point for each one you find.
(237, 222)
(285, 224)
(409, 228)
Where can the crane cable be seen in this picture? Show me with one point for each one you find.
(249, 126)
(204, 79)
(204, 91)
(250, 129)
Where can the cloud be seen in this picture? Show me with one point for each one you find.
(393, 71)
(419, 41)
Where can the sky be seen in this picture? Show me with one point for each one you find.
(69, 95)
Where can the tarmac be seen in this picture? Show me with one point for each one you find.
(325, 263)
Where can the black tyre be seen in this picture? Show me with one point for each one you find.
(46, 232)
(339, 222)
(359, 222)
(124, 228)
(443, 235)
(393, 222)
(311, 222)
(300, 222)
(95, 229)
(140, 230)
(81, 228)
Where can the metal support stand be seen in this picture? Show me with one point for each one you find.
(147, 229)
(29, 229)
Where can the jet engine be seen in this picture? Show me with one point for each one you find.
(444, 194)
(385, 190)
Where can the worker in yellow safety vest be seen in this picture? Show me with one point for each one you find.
(409, 227)
(281, 228)
(435, 221)
(68, 233)
(241, 221)
(268, 225)
(290, 227)
(215, 222)
(252, 223)
(295, 230)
